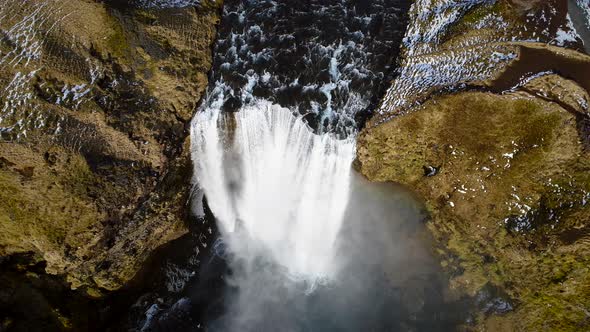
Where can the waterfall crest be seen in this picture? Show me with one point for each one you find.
(275, 187)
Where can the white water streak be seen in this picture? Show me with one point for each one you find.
(283, 186)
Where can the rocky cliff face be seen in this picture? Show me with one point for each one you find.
(94, 168)
(490, 127)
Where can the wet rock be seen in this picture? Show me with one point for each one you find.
(430, 170)
(493, 301)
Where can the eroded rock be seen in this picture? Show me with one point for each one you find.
(513, 183)
(94, 163)
(490, 127)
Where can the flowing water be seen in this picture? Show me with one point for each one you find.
(274, 141)
(296, 240)
(579, 13)
(384, 277)
(275, 187)
(286, 236)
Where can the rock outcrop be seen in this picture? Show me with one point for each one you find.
(95, 97)
(498, 149)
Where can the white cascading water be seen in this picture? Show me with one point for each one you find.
(267, 176)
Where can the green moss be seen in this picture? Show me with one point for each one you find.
(210, 5)
(479, 125)
(47, 211)
(145, 16)
(11, 208)
(477, 13)
(117, 42)
(79, 178)
(554, 313)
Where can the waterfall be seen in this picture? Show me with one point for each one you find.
(275, 187)
(284, 71)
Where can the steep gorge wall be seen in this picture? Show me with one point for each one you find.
(94, 162)
(488, 122)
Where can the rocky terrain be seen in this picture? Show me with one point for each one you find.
(487, 119)
(489, 123)
(96, 98)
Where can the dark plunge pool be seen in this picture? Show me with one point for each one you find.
(388, 280)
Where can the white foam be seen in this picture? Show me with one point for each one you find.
(275, 187)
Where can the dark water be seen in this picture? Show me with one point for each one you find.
(330, 59)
